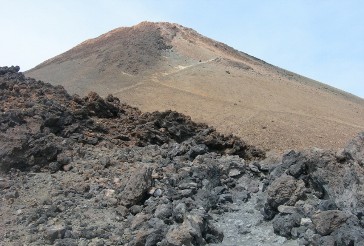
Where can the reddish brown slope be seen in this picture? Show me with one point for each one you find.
(158, 66)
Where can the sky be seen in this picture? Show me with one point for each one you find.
(319, 39)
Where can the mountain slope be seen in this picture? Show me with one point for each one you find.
(92, 171)
(159, 66)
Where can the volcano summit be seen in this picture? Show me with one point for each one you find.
(161, 66)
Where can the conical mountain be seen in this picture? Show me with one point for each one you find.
(159, 66)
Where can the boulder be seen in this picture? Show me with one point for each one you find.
(163, 211)
(285, 190)
(188, 233)
(54, 232)
(355, 149)
(137, 187)
(327, 221)
(179, 212)
(283, 224)
(349, 233)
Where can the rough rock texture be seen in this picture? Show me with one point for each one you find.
(329, 200)
(144, 45)
(355, 150)
(283, 223)
(285, 190)
(36, 117)
(327, 221)
(94, 171)
(137, 186)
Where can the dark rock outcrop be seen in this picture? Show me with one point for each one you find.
(323, 186)
(36, 117)
(156, 176)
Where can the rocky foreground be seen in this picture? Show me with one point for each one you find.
(93, 171)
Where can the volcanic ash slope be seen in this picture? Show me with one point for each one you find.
(161, 66)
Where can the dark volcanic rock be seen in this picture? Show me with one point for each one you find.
(283, 224)
(128, 176)
(94, 171)
(137, 186)
(31, 131)
(355, 149)
(97, 106)
(329, 192)
(190, 232)
(327, 221)
(285, 190)
(349, 233)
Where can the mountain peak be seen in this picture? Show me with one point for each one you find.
(161, 65)
(140, 48)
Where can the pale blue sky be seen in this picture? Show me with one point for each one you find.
(320, 39)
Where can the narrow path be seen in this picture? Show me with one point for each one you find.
(128, 87)
(156, 79)
(258, 109)
(181, 68)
